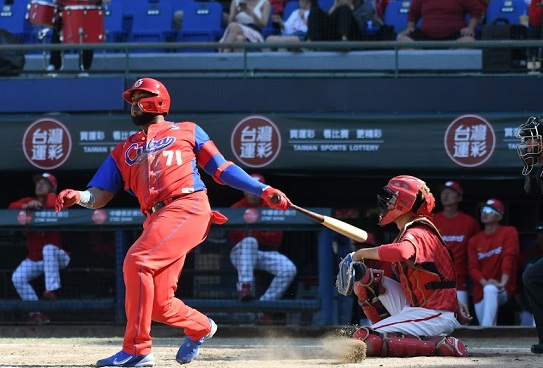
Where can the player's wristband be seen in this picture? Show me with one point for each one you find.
(86, 199)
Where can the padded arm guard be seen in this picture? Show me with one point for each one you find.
(346, 276)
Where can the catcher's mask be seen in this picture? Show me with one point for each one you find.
(404, 194)
(531, 143)
(157, 104)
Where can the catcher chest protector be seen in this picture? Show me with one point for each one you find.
(399, 345)
(367, 289)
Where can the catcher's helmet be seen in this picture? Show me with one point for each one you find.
(158, 104)
(404, 194)
(531, 143)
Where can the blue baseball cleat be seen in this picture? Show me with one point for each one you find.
(122, 359)
(189, 349)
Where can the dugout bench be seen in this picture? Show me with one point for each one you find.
(122, 221)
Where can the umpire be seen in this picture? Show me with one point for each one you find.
(530, 151)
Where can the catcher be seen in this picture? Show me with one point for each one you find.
(412, 317)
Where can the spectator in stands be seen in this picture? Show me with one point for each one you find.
(535, 17)
(55, 60)
(456, 228)
(526, 259)
(339, 24)
(45, 254)
(247, 19)
(294, 29)
(492, 262)
(258, 249)
(441, 20)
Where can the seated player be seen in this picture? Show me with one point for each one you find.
(412, 317)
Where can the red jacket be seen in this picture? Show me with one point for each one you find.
(36, 240)
(492, 255)
(266, 239)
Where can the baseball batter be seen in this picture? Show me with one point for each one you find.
(530, 151)
(159, 165)
(411, 317)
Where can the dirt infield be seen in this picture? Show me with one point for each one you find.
(280, 352)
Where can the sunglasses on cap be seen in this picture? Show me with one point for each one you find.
(490, 211)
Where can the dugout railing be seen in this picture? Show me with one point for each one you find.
(125, 224)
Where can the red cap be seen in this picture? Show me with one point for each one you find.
(259, 177)
(454, 186)
(49, 177)
(496, 205)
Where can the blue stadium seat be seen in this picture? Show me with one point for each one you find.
(396, 15)
(13, 20)
(201, 22)
(152, 22)
(114, 23)
(290, 6)
(511, 10)
(326, 4)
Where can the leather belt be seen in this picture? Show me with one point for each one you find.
(159, 205)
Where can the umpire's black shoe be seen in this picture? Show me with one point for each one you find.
(537, 348)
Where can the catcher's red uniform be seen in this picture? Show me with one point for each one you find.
(456, 232)
(490, 256)
(432, 263)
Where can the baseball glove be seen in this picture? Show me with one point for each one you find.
(346, 276)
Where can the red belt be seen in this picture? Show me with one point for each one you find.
(159, 205)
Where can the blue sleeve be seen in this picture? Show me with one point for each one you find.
(235, 177)
(107, 177)
(200, 138)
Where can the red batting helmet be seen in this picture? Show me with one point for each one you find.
(404, 194)
(158, 104)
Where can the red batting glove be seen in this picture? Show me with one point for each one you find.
(67, 198)
(276, 199)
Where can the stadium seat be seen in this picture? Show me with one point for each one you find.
(152, 22)
(396, 15)
(113, 23)
(510, 11)
(201, 22)
(289, 8)
(13, 20)
(326, 4)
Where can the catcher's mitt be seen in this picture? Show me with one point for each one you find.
(346, 276)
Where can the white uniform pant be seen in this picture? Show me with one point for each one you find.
(487, 309)
(246, 257)
(54, 259)
(415, 321)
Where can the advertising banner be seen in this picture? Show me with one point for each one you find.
(289, 142)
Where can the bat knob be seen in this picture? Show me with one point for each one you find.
(275, 198)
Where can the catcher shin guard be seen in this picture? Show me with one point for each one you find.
(367, 289)
(448, 346)
(399, 345)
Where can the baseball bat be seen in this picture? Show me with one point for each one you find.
(338, 226)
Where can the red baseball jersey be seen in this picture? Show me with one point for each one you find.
(421, 259)
(492, 255)
(456, 232)
(36, 240)
(267, 240)
(161, 164)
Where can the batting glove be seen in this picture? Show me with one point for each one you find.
(275, 199)
(67, 198)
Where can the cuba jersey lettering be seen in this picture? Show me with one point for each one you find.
(160, 164)
(138, 153)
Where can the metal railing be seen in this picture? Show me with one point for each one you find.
(395, 54)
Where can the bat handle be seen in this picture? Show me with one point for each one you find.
(275, 198)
